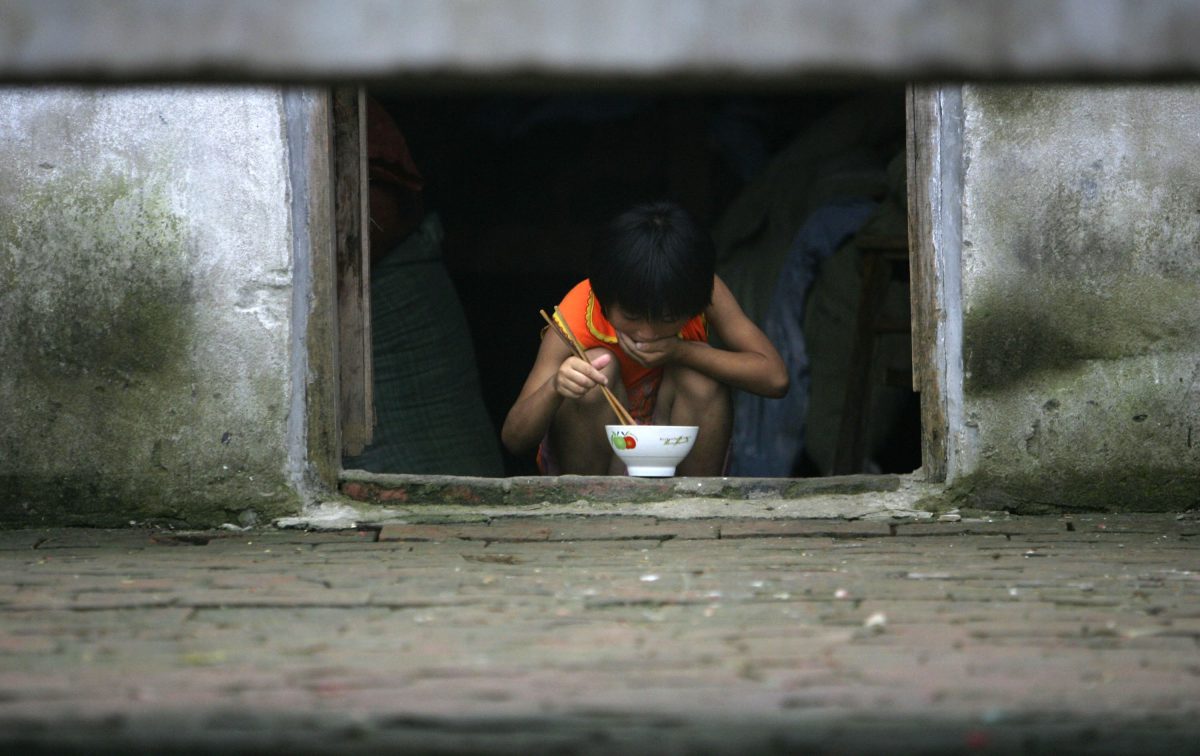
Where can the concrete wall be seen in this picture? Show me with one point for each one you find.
(146, 281)
(1081, 296)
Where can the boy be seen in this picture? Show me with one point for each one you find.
(643, 316)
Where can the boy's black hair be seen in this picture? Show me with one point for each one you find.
(655, 262)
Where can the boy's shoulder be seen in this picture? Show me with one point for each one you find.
(579, 291)
(582, 312)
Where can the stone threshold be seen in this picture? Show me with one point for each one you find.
(368, 499)
(375, 488)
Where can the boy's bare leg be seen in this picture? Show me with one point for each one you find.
(687, 397)
(577, 437)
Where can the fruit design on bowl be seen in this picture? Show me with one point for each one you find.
(651, 450)
(623, 440)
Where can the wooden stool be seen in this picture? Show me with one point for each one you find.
(882, 258)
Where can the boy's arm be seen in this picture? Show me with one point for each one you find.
(556, 374)
(748, 360)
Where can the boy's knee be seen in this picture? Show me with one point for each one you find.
(698, 386)
(592, 401)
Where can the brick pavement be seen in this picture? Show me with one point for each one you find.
(607, 635)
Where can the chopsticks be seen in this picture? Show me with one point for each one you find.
(559, 326)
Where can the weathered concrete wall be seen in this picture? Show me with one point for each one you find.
(145, 306)
(1081, 296)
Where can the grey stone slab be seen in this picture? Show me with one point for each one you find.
(598, 528)
(804, 40)
(803, 528)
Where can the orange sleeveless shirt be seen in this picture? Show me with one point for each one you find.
(582, 313)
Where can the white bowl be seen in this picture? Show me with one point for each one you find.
(651, 451)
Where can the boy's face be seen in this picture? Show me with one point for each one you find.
(642, 329)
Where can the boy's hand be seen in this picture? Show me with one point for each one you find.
(576, 377)
(650, 353)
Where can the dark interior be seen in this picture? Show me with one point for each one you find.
(519, 182)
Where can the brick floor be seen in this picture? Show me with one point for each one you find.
(607, 634)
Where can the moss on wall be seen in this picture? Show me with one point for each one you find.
(1136, 489)
(1017, 331)
(98, 281)
(138, 385)
(1081, 309)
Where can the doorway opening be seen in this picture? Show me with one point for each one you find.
(482, 208)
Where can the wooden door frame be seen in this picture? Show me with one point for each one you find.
(935, 180)
(934, 161)
(356, 402)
